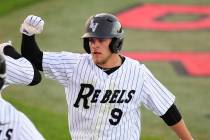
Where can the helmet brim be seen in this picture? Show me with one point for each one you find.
(90, 35)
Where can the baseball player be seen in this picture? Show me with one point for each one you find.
(104, 89)
(14, 125)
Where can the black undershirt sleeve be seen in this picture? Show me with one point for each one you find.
(172, 116)
(37, 77)
(31, 51)
(10, 51)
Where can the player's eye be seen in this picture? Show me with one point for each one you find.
(91, 40)
(101, 40)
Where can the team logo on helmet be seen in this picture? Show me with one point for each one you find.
(93, 25)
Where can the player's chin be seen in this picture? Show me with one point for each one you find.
(97, 60)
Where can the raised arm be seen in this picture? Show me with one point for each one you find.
(32, 25)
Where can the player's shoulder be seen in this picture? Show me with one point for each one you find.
(4, 104)
(143, 69)
(133, 62)
(8, 113)
(70, 53)
(76, 57)
(137, 65)
(63, 55)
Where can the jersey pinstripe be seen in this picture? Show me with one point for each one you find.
(101, 106)
(14, 125)
(18, 71)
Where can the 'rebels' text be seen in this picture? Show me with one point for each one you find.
(110, 96)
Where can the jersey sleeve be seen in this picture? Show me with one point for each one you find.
(18, 71)
(155, 96)
(59, 65)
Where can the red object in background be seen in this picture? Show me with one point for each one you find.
(194, 63)
(146, 16)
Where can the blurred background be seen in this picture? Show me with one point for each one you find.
(45, 104)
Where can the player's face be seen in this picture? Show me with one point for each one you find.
(100, 51)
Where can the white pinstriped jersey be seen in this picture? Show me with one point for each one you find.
(14, 125)
(18, 71)
(102, 106)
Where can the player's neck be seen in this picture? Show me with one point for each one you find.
(114, 61)
(113, 69)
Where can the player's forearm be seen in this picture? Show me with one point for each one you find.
(31, 51)
(181, 130)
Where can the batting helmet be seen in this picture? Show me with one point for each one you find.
(2, 70)
(103, 26)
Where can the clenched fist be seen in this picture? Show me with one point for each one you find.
(32, 25)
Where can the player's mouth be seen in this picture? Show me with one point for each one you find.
(96, 53)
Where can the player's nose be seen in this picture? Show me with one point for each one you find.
(94, 42)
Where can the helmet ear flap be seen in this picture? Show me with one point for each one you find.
(86, 45)
(116, 45)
